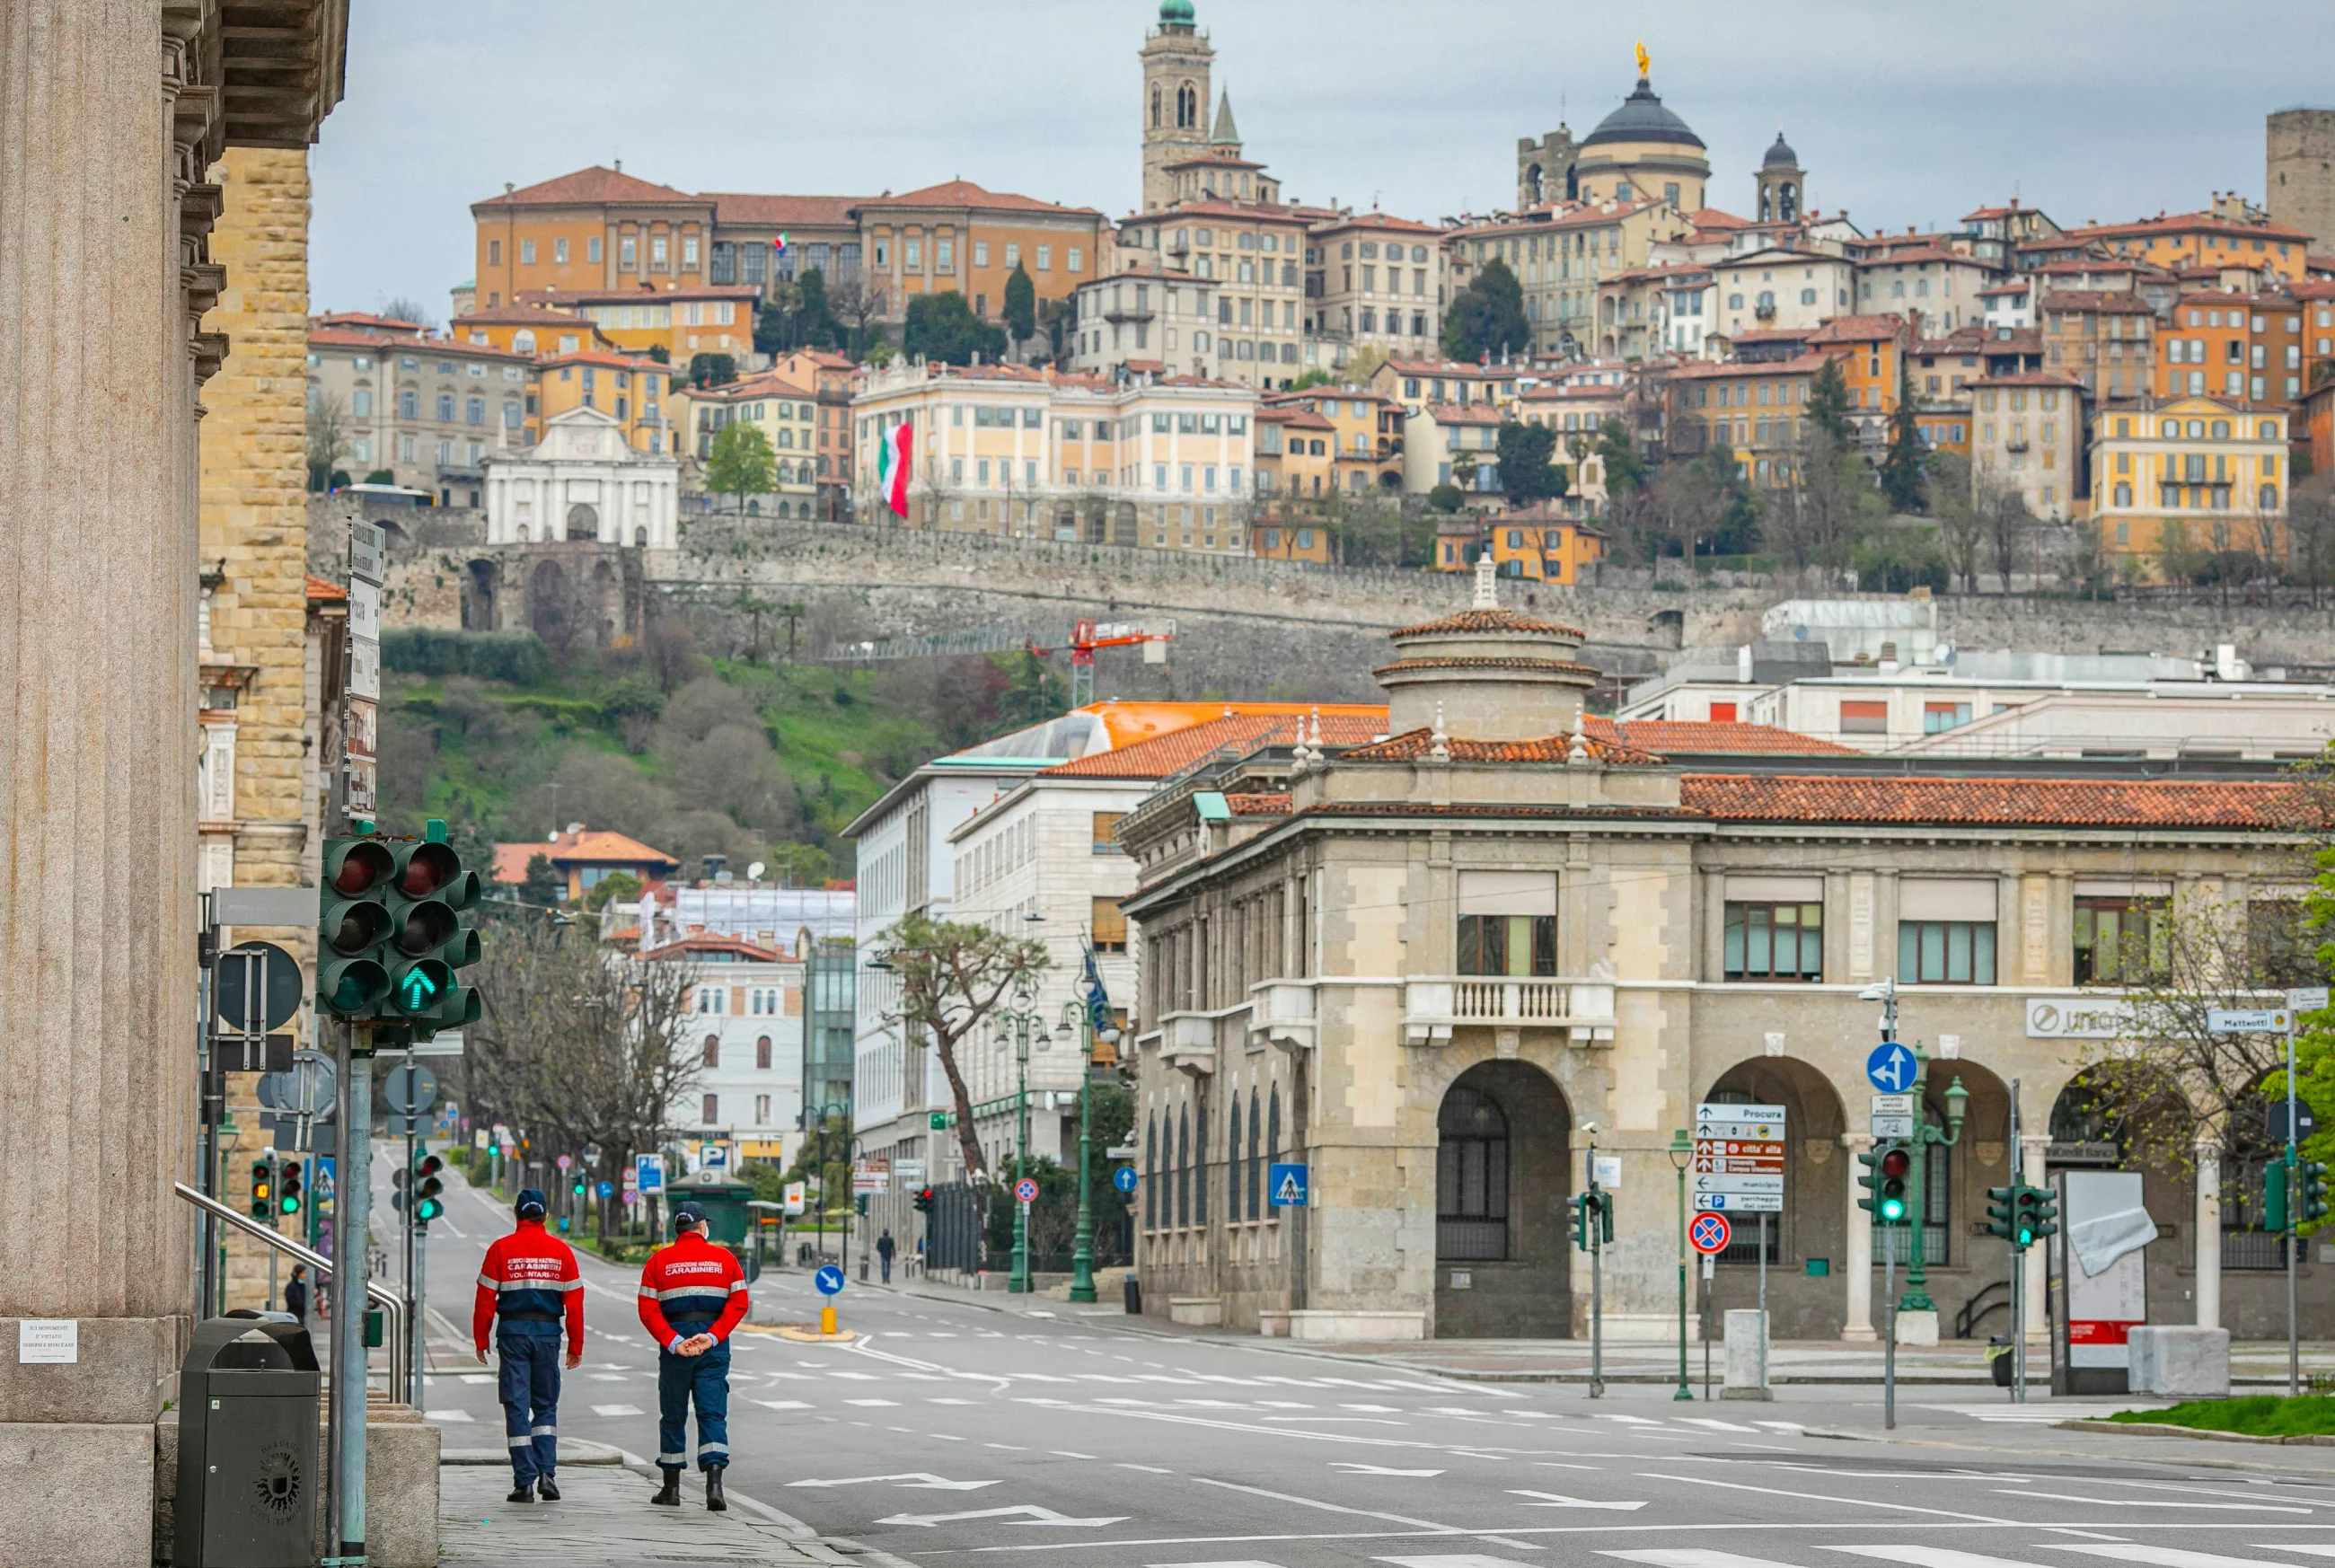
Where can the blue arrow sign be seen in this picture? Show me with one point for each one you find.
(1123, 1178)
(1889, 1068)
(829, 1281)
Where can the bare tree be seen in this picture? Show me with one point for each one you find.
(857, 301)
(2310, 529)
(577, 1044)
(328, 437)
(2007, 522)
(950, 977)
(1961, 527)
(1691, 503)
(404, 308)
(1826, 504)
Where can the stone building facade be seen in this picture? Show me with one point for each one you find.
(1439, 968)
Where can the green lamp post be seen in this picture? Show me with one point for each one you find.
(1079, 1024)
(1682, 1153)
(1916, 1298)
(1019, 1028)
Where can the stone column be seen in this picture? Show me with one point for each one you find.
(1859, 1262)
(2032, 1148)
(2207, 1247)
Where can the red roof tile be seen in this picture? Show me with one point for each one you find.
(324, 592)
(784, 211)
(1489, 621)
(1858, 329)
(1990, 802)
(1414, 745)
(965, 193)
(589, 187)
(1694, 735)
(1238, 735)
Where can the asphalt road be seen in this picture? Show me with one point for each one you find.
(954, 1431)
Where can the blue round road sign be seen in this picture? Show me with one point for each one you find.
(1889, 1068)
(606, 1187)
(1026, 1190)
(1123, 1178)
(829, 1281)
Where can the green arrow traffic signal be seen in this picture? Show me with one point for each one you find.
(429, 892)
(2038, 1215)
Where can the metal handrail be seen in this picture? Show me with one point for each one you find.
(390, 1301)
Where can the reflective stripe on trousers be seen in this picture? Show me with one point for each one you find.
(529, 1387)
(705, 1379)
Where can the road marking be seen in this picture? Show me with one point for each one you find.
(1036, 1516)
(873, 1404)
(1690, 1557)
(1457, 1560)
(948, 1401)
(1066, 1454)
(1827, 1497)
(616, 1409)
(1351, 1469)
(1559, 1500)
(446, 1415)
(1152, 1469)
(2194, 1560)
(1933, 1557)
(1714, 1423)
(1235, 1563)
(1375, 1409)
(914, 1480)
(1326, 1507)
(2159, 1556)
(783, 1404)
(595, 1376)
(854, 1377)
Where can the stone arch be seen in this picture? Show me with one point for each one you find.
(1503, 1130)
(640, 539)
(608, 597)
(482, 582)
(583, 521)
(1818, 1174)
(1187, 107)
(1155, 106)
(548, 607)
(1571, 184)
(1536, 186)
(1123, 524)
(1978, 1266)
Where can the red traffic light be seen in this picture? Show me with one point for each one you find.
(1896, 1162)
(426, 867)
(362, 865)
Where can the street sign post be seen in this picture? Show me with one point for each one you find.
(1289, 1186)
(1739, 1158)
(1123, 1178)
(410, 1088)
(649, 1173)
(1709, 1233)
(829, 1280)
(873, 1178)
(1893, 1115)
(1890, 1067)
(2247, 1020)
(1025, 1191)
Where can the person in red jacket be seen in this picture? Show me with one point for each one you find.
(693, 1294)
(531, 1284)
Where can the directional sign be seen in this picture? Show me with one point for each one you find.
(1739, 1158)
(829, 1281)
(871, 1177)
(1287, 1186)
(1123, 1178)
(1709, 1233)
(1890, 1067)
(651, 1170)
(2247, 1020)
(410, 1088)
(1769, 1118)
(914, 1480)
(1034, 1516)
(2307, 998)
(1025, 1191)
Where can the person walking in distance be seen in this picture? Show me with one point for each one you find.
(884, 1247)
(531, 1284)
(693, 1295)
(296, 1294)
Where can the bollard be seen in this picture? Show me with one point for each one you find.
(827, 1321)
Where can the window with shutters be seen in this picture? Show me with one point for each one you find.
(1109, 926)
(1865, 718)
(712, 1110)
(1106, 832)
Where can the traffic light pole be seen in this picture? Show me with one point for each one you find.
(2294, 1222)
(1889, 1332)
(352, 1201)
(2018, 1263)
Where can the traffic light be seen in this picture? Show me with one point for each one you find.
(426, 936)
(2274, 1196)
(288, 1187)
(2311, 1195)
(2038, 1215)
(577, 1184)
(2005, 1211)
(401, 1181)
(262, 1188)
(924, 1200)
(427, 1205)
(1891, 1206)
(1593, 1219)
(353, 923)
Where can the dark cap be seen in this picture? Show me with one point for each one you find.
(531, 1204)
(688, 1215)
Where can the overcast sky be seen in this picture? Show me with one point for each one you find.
(1903, 111)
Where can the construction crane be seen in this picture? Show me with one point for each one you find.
(1086, 636)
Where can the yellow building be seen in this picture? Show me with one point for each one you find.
(957, 235)
(2233, 237)
(1293, 453)
(530, 329)
(632, 389)
(1365, 451)
(1539, 545)
(685, 322)
(596, 228)
(786, 414)
(2182, 477)
(1164, 463)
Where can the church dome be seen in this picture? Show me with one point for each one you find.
(1643, 118)
(1780, 153)
(1176, 13)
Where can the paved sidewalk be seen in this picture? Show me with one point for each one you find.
(604, 1520)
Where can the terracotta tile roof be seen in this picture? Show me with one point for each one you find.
(575, 297)
(1449, 367)
(522, 316)
(684, 946)
(784, 211)
(609, 360)
(1858, 329)
(1413, 745)
(1380, 220)
(768, 384)
(1990, 802)
(592, 847)
(359, 320)
(1798, 364)
(1713, 736)
(2043, 378)
(1713, 218)
(2107, 300)
(1304, 418)
(1224, 207)
(1464, 413)
(1237, 735)
(588, 186)
(324, 592)
(965, 193)
(2189, 223)
(1491, 621)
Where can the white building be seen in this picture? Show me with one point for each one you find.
(1780, 290)
(743, 1039)
(771, 917)
(582, 482)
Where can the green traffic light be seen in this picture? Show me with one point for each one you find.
(1893, 1208)
(428, 1209)
(421, 987)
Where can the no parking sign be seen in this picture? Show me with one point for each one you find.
(1709, 1233)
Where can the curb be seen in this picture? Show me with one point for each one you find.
(2164, 1429)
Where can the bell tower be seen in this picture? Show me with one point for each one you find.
(1783, 184)
(1175, 57)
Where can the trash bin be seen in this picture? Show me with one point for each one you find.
(1997, 1355)
(1134, 1291)
(248, 1445)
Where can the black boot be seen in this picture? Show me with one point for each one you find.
(714, 1502)
(546, 1489)
(522, 1493)
(669, 1494)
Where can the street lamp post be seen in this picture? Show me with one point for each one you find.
(1018, 1026)
(1076, 1019)
(1682, 1153)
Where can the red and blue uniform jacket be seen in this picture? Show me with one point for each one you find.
(692, 1287)
(530, 1277)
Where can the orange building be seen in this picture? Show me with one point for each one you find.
(957, 235)
(1753, 411)
(1871, 353)
(1277, 537)
(1537, 545)
(2318, 419)
(596, 228)
(833, 378)
(2247, 347)
(1363, 454)
(530, 329)
(684, 321)
(2189, 239)
(629, 388)
(1293, 457)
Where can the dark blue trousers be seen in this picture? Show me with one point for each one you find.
(706, 1379)
(528, 1388)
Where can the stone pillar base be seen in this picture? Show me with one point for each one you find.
(1917, 1328)
(2181, 1362)
(1864, 1334)
(77, 1495)
(1747, 1358)
(1357, 1325)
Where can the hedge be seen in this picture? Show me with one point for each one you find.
(515, 657)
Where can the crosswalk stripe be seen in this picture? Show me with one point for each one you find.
(1461, 1560)
(2308, 1550)
(616, 1409)
(1238, 1562)
(2178, 1559)
(1690, 1557)
(1714, 1423)
(2156, 1556)
(1931, 1557)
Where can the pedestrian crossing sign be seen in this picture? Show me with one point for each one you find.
(1287, 1186)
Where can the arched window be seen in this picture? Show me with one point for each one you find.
(1471, 1179)
(713, 1051)
(1200, 1170)
(1187, 107)
(762, 1052)
(1154, 108)
(1183, 1166)
(1256, 1170)
(523, 341)
(1152, 1172)
(1233, 1162)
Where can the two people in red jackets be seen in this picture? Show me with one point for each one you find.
(529, 1288)
(692, 1296)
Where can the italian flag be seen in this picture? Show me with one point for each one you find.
(892, 467)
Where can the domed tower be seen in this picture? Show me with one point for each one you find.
(1641, 150)
(1176, 57)
(1782, 185)
(1486, 673)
